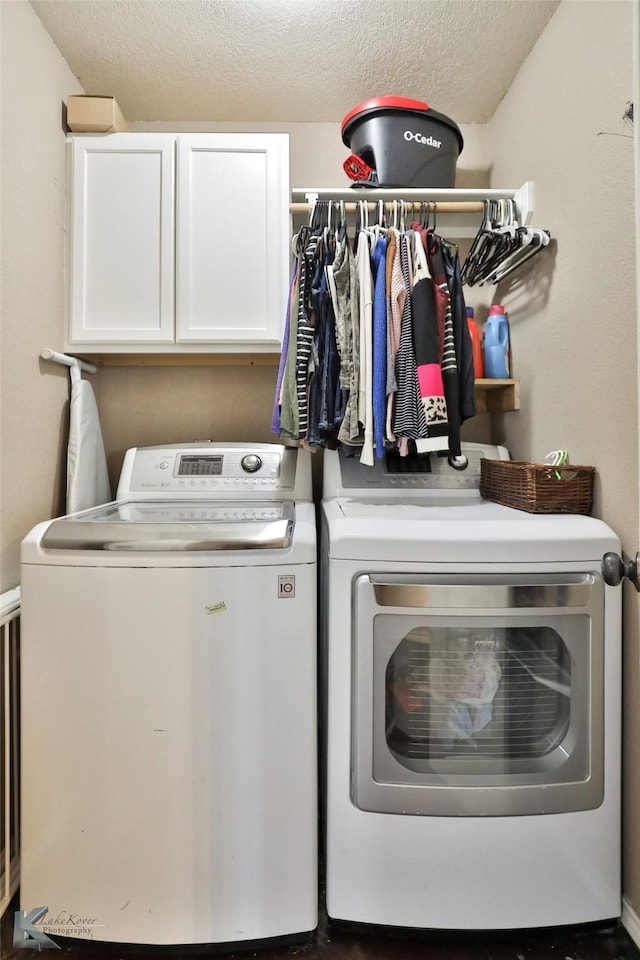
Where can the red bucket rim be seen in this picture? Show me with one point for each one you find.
(399, 103)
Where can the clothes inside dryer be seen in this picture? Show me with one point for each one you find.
(472, 694)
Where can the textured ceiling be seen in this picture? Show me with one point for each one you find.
(293, 60)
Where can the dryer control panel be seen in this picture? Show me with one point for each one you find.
(416, 474)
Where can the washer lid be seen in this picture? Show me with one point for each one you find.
(175, 525)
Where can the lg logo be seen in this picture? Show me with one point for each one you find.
(286, 587)
(419, 138)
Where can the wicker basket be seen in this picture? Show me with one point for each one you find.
(537, 488)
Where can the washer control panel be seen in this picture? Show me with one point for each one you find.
(209, 470)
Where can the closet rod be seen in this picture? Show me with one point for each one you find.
(449, 200)
(410, 206)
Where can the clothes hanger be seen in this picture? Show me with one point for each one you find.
(502, 240)
(403, 216)
(341, 216)
(511, 239)
(495, 240)
(532, 240)
(469, 265)
(364, 214)
(312, 213)
(435, 216)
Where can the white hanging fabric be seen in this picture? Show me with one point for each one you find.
(87, 475)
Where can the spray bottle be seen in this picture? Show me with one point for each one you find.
(496, 344)
(476, 345)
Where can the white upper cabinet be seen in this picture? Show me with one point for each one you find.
(121, 284)
(178, 243)
(232, 238)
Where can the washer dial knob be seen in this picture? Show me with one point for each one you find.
(251, 463)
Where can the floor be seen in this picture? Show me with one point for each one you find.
(592, 942)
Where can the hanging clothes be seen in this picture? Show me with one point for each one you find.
(379, 341)
(347, 311)
(376, 347)
(428, 340)
(326, 401)
(286, 412)
(461, 335)
(365, 382)
(305, 331)
(408, 418)
(277, 406)
(397, 293)
(448, 356)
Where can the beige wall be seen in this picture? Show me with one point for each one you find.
(33, 394)
(573, 313)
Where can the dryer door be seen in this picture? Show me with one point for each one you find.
(478, 695)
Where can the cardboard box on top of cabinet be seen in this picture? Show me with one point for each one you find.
(89, 114)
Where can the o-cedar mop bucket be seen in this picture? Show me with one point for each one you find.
(398, 142)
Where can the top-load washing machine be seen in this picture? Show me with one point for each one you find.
(169, 762)
(471, 677)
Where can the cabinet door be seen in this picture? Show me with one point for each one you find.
(121, 285)
(232, 238)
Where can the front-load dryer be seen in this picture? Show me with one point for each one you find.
(169, 728)
(471, 698)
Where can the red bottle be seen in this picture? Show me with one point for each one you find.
(476, 345)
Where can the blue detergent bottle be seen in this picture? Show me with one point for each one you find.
(496, 344)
